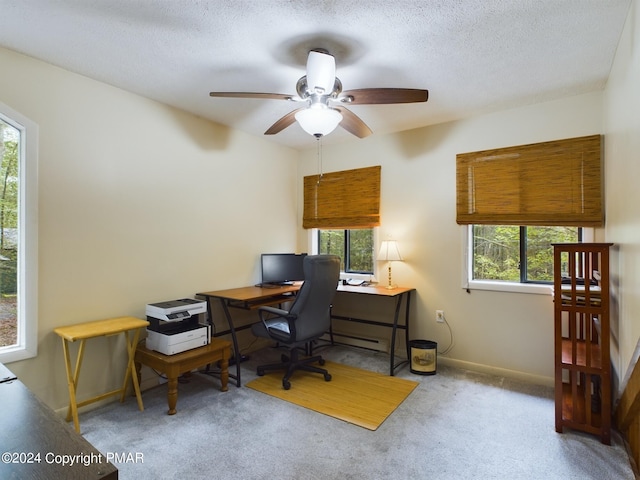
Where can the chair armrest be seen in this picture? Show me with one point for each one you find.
(271, 317)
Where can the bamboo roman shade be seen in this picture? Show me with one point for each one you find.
(347, 199)
(549, 183)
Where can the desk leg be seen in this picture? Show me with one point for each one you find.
(406, 329)
(234, 340)
(72, 381)
(394, 365)
(392, 359)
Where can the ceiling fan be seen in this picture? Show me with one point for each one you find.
(323, 101)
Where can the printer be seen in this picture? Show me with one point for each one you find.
(174, 326)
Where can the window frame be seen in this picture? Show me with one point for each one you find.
(27, 312)
(369, 277)
(468, 283)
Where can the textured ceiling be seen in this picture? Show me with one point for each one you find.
(473, 56)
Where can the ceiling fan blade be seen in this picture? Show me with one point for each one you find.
(353, 124)
(286, 121)
(270, 96)
(321, 72)
(373, 96)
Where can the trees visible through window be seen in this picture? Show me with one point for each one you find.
(9, 184)
(18, 236)
(517, 254)
(354, 247)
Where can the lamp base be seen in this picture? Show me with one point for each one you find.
(390, 286)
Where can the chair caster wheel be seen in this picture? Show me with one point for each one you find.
(260, 372)
(286, 384)
(321, 362)
(327, 377)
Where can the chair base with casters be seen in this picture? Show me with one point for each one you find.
(293, 363)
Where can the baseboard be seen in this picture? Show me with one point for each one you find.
(87, 408)
(377, 344)
(500, 372)
(151, 382)
(147, 383)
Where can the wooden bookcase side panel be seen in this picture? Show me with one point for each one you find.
(581, 330)
(578, 407)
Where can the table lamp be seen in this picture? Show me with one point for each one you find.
(389, 252)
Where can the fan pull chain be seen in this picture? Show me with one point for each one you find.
(319, 155)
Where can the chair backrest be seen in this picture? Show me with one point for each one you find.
(313, 301)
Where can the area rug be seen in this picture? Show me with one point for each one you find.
(353, 395)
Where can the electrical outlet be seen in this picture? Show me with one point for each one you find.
(440, 316)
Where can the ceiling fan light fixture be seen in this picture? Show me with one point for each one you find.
(322, 92)
(318, 121)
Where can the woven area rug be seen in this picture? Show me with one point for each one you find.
(353, 395)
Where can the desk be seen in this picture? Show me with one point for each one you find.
(175, 365)
(398, 294)
(247, 298)
(99, 328)
(250, 298)
(35, 435)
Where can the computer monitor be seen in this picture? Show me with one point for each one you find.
(282, 268)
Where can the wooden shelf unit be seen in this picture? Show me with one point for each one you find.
(582, 335)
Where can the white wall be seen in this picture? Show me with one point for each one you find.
(622, 171)
(138, 203)
(493, 331)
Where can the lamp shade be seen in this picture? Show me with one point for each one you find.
(318, 121)
(389, 251)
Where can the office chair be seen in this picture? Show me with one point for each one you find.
(307, 319)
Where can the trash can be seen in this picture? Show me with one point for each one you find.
(424, 357)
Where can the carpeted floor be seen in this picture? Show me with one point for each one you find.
(454, 425)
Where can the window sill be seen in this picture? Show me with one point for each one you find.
(510, 287)
(15, 353)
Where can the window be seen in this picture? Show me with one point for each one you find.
(18, 236)
(514, 254)
(353, 246)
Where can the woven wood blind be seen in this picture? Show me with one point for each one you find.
(549, 183)
(347, 199)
